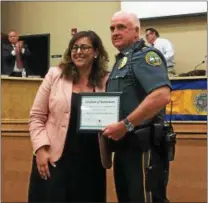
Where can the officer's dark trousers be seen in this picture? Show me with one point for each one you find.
(162, 186)
(166, 179)
(159, 186)
(130, 175)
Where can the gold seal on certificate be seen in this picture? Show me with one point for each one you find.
(98, 110)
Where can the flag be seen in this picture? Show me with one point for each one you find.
(189, 100)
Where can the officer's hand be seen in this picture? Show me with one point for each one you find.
(115, 131)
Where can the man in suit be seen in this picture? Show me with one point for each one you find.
(15, 56)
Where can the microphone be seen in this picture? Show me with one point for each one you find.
(195, 72)
(200, 63)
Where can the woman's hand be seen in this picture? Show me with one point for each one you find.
(42, 159)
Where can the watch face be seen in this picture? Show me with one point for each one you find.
(130, 127)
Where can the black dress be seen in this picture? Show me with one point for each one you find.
(78, 175)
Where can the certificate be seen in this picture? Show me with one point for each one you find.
(97, 110)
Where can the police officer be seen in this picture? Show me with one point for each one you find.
(140, 74)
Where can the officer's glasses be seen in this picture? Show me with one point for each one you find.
(82, 47)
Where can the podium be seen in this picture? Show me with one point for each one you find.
(17, 96)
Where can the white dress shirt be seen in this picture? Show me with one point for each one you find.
(166, 47)
(15, 64)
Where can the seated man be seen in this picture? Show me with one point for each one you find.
(164, 46)
(15, 56)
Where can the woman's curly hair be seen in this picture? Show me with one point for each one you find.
(99, 66)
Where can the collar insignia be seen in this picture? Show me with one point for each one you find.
(123, 62)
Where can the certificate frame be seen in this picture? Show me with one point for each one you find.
(93, 97)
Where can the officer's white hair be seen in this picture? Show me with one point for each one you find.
(131, 16)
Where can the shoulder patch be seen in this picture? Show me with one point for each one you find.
(153, 58)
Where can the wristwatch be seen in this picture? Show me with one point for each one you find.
(129, 126)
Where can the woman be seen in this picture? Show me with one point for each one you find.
(67, 166)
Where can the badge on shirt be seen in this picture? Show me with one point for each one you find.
(123, 62)
(153, 58)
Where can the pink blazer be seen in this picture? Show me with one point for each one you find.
(50, 113)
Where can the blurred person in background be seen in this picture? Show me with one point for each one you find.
(15, 56)
(164, 46)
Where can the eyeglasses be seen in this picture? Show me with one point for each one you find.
(82, 47)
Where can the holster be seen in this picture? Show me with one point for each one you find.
(140, 139)
(158, 134)
(165, 138)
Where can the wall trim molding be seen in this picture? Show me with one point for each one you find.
(187, 130)
(14, 127)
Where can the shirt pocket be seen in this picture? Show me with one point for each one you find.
(124, 77)
(127, 73)
(122, 72)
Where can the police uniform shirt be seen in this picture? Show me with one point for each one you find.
(136, 74)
